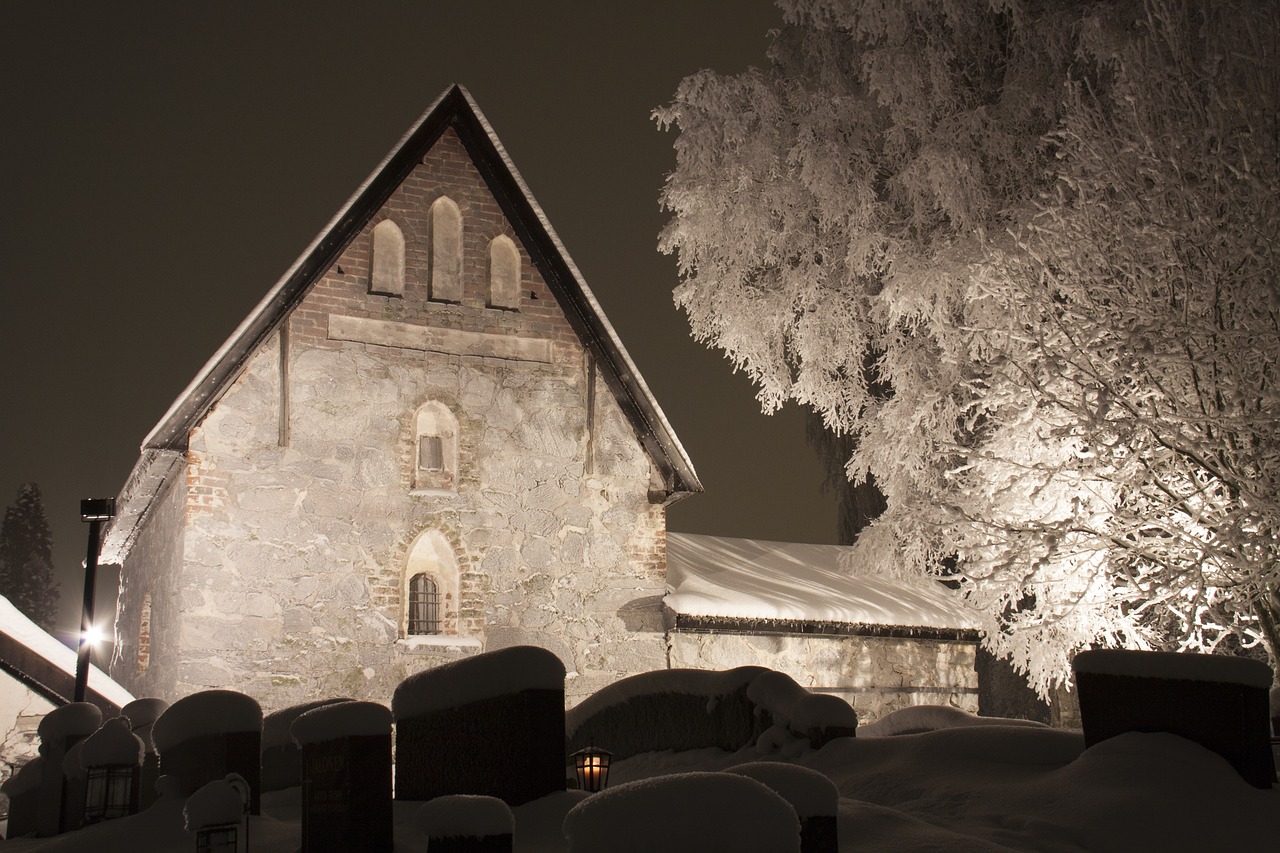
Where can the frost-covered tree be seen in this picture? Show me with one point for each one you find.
(26, 558)
(1050, 228)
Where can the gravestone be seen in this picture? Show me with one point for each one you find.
(491, 725)
(345, 769)
(814, 797)
(142, 714)
(203, 737)
(1217, 701)
(23, 790)
(74, 784)
(60, 730)
(281, 755)
(111, 759)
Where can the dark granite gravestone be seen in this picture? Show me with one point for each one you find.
(203, 737)
(345, 768)
(23, 790)
(60, 730)
(466, 824)
(1217, 701)
(281, 755)
(492, 725)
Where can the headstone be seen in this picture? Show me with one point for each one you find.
(111, 760)
(814, 797)
(464, 823)
(281, 755)
(345, 768)
(142, 714)
(1217, 701)
(492, 725)
(74, 784)
(203, 737)
(217, 814)
(60, 730)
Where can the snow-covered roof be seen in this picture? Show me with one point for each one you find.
(26, 647)
(455, 109)
(756, 580)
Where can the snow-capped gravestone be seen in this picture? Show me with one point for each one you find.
(466, 823)
(346, 777)
(683, 709)
(281, 755)
(73, 788)
(142, 715)
(814, 797)
(691, 812)
(492, 725)
(23, 791)
(111, 759)
(60, 730)
(217, 815)
(205, 736)
(1217, 701)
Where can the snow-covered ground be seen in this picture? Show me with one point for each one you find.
(965, 787)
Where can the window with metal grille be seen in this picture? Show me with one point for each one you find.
(424, 605)
(431, 453)
(109, 792)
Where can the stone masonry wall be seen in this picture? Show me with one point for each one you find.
(293, 575)
(875, 675)
(149, 581)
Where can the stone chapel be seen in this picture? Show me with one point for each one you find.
(426, 440)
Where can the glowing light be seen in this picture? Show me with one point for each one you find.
(94, 635)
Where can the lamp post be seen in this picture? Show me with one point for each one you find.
(95, 511)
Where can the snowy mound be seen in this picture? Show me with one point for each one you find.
(809, 792)
(693, 812)
(215, 804)
(336, 720)
(210, 712)
(691, 682)
(1174, 665)
(143, 712)
(928, 718)
(464, 816)
(484, 676)
(78, 719)
(112, 744)
(276, 726)
(802, 712)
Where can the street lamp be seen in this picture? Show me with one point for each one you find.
(591, 765)
(95, 511)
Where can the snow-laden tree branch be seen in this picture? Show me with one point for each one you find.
(1050, 230)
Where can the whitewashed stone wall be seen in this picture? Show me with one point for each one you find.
(875, 675)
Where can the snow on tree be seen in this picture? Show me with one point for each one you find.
(26, 558)
(1022, 254)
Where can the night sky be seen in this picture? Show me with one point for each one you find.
(164, 163)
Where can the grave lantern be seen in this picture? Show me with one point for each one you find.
(591, 766)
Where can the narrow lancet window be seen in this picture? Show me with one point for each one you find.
(446, 251)
(504, 273)
(424, 605)
(386, 275)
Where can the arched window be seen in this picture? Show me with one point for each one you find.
(504, 273)
(424, 605)
(446, 251)
(430, 588)
(386, 269)
(435, 465)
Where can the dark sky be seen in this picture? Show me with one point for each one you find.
(164, 163)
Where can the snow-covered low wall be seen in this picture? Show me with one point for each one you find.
(876, 675)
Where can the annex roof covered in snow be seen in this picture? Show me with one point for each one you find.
(455, 108)
(35, 658)
(788, 587)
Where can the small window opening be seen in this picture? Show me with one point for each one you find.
(424, 605)
(109, 792)
(431, 453)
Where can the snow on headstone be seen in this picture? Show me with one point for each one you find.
(217, 803)
(464, 822)
(60, 730)
(814, 797)
(113, 744)
(492, 724)
(280, 754)
(927, 718)
(142, 715)
(205, 736)
(684, 813)
(345, 767)
(1217, 701)
(816, 717)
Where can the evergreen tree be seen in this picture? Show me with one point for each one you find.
(26, 558)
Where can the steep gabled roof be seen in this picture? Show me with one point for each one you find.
(455, 108)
